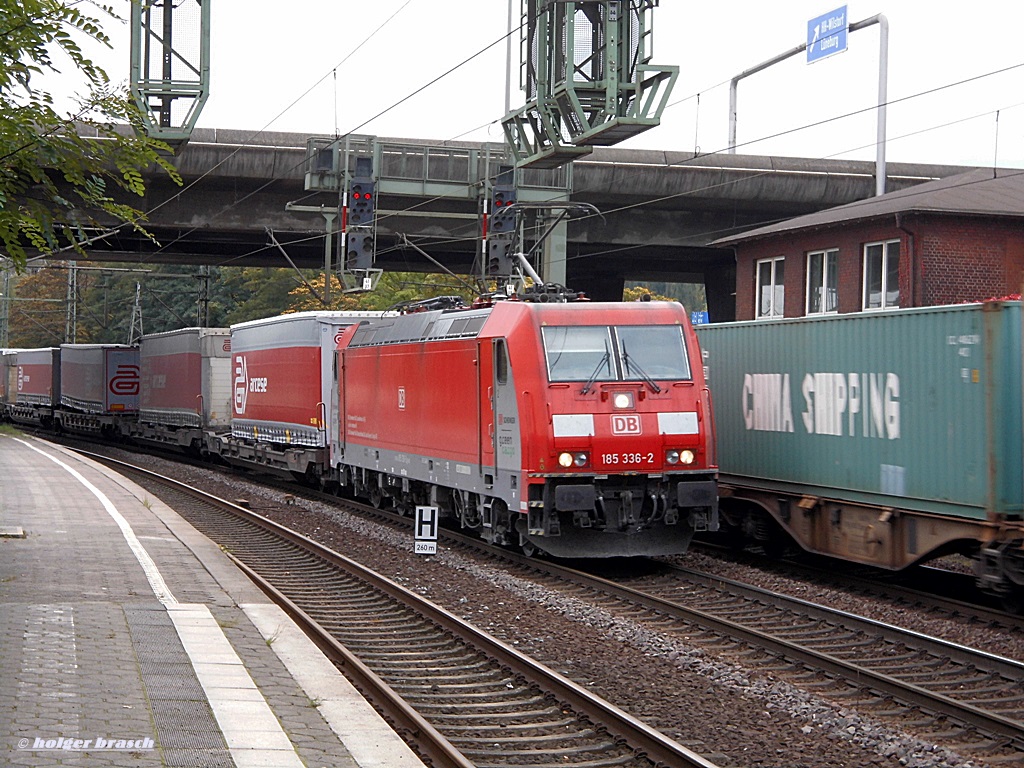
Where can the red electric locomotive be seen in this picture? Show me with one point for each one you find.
(580, 429)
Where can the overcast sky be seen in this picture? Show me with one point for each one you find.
(318, 67)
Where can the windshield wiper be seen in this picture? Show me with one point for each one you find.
(600, 364)
(635, 366)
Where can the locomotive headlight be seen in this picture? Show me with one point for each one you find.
(623, 400)
(671, 457)
(686, 456)
(580, 459)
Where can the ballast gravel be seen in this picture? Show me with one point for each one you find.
(731, 714)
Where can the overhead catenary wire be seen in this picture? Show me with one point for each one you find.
(435, 80)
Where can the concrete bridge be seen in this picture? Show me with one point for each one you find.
(245, 195)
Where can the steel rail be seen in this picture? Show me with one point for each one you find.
(644, 740)
(432, 743)
(931, 701)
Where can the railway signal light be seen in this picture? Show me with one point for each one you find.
(359, 250)
(503, 197)
(362, 201)
(499, 257)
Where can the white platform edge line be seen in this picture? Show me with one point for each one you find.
(153, 575)
(367, 736)
(236, 730)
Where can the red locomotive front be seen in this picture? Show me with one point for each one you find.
(619, 458)
(581, 429)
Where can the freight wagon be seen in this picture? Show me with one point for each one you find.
(282, 376)
(36, 386)
(8, 377)
(99, 388)
(186, 387)
(885, 438)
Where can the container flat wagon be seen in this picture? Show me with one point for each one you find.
(884, 438)
(99, 388)
(34, 379)
(282, 373)
(186, 387)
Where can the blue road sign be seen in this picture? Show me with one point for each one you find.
(826, 35)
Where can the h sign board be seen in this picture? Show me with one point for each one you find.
(426, 531)
(826, 35)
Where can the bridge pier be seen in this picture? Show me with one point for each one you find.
(720, 290)
(599, 287)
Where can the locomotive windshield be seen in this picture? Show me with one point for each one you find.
(615, 353)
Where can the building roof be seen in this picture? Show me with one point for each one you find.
(981, 192)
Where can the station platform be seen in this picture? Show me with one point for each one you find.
(127, 638)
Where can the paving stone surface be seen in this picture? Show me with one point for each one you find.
(92, 669)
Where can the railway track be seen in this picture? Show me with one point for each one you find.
(460, 696)
(942, 713)
(959, 696)
(932, 588)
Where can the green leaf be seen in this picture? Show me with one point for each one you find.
(52, 179)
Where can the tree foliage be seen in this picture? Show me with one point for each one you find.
(38, 316)
(690, 295)
(63, 177)
(170, 298)
(393, 289)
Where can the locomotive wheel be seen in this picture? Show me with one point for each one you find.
(376, 497)
(529, 548)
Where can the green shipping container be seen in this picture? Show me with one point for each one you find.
(916, 409)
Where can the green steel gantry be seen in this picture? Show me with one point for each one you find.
(170, 64)
(587, 72)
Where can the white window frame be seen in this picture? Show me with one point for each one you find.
(889, 250)
(778, 289)
(824, 289)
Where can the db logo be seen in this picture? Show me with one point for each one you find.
(125, 380)
(401, 398)
(626, 425)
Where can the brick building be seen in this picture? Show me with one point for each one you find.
(942, 242)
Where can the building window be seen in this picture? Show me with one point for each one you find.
(822, 281)
(770, 292)
(882, 275)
